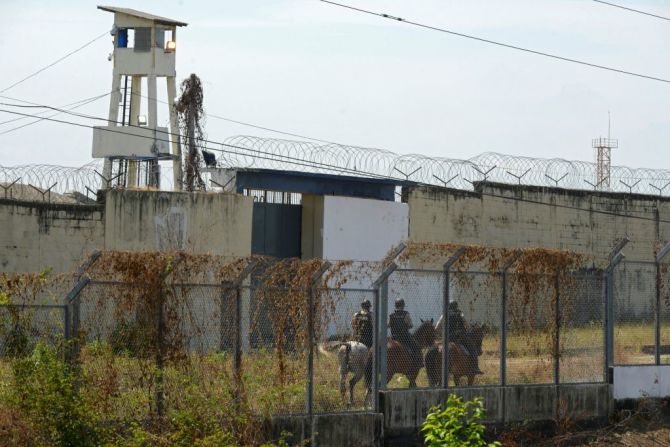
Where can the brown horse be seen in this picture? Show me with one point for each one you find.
(460, 363)
(400, 360)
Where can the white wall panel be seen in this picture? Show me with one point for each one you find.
(362, 229)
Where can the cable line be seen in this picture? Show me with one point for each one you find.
(500, 44)
(254, 152)
(256, 126)
(307, 163)
(632, 10)
(75, 105)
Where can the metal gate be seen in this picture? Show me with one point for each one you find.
(276, 230)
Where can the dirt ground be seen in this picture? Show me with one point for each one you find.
(648, 425)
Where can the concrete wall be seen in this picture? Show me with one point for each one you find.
(635, 382)
(199, 222)
(37, 235)
(512, 216)
(405, 411)
(311, 237)
(362, 229)
(336, 430)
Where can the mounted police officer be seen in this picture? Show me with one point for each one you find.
(362, 324)
(400, 323)
(458, 333)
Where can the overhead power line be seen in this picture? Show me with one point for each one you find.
(242, 123)
(249, 152)
(235, 150)
(70, 107)
(632, 10)
(54, 62)
(500, 44)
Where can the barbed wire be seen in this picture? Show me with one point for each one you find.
(57, 179)
(334, 158)
(441, 171)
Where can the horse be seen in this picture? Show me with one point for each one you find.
(351, 357)
(460, 362)
(399, 359)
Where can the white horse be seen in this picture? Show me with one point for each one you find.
(352, 357)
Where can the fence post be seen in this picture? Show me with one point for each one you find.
(380, 286)
(503, 317)
(311, 309)
(72, 300)
(557, 332)
(659, 258)
(609, 311)
(236, 285)
(445, 315)
(226, 288)
(160, 391)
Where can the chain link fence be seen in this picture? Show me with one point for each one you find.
(283, 350)
(634, 313)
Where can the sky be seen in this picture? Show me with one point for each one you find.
(306, 67)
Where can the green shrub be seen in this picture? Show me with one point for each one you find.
(457, 425)
(43, 391)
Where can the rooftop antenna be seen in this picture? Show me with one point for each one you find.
(603, 147)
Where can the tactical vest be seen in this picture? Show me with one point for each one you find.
(398, 326)
(364, 328)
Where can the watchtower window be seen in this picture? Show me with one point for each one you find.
(160, 38)
(126, 37)
(142, 39)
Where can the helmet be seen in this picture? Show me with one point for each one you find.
(453, 305)
(399, 303)
(366, 304)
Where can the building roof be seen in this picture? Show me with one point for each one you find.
(316, 183)
(142, 15)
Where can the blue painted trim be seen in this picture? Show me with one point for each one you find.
(319, 184)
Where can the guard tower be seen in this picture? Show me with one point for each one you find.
(145, 46)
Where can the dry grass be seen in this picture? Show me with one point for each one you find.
(123, 387)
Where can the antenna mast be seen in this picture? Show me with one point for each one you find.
(603, 147)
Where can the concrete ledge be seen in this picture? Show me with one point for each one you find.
(530, 403)
(586, 401)
(337, 429)
(405, 410)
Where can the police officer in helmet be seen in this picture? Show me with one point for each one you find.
(362, 324)
(400, 323)
(458, 333)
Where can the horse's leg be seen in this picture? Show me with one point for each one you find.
(471, 379)
(344, 369)
(352, 383)
(412, 379)
(457, 380)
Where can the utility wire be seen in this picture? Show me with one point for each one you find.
(234, 149)
(250, 152)
(632, 10)
(53, 63)
(242, 123)
(202, 140)
(72, 106)
(500, 44)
